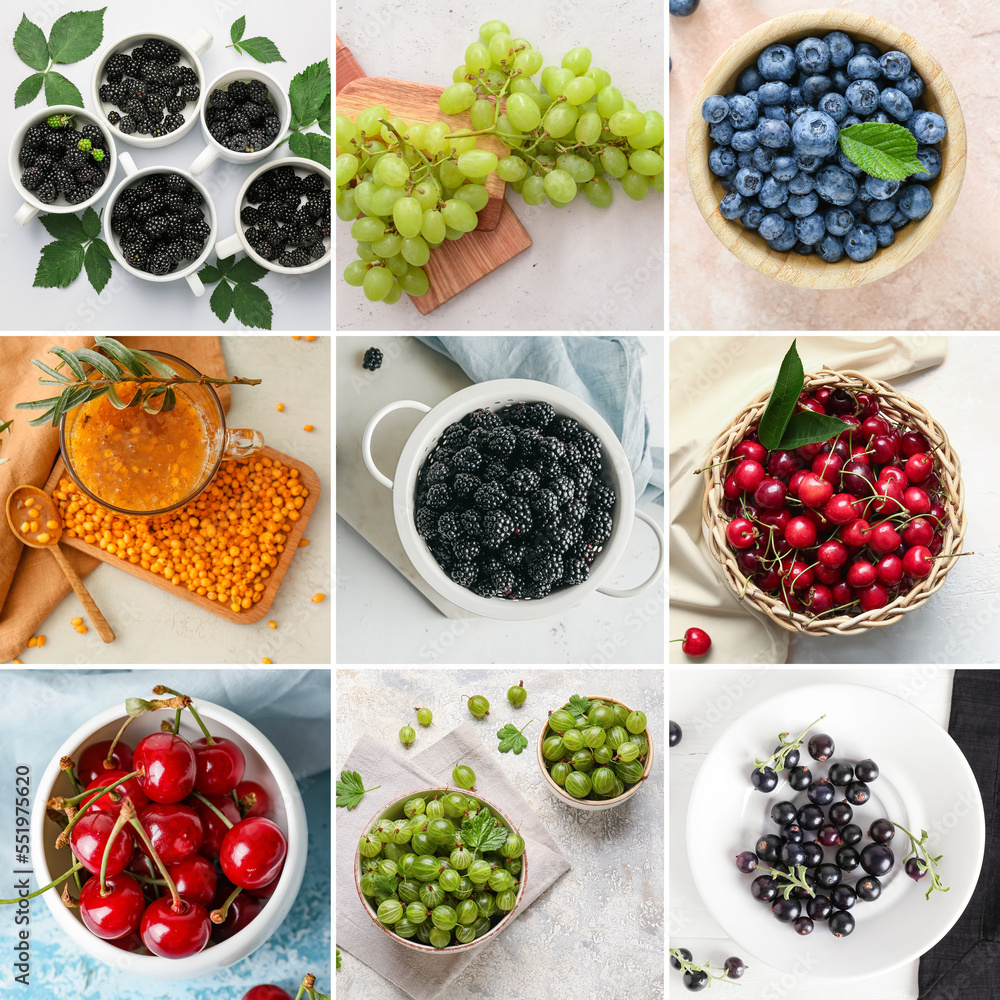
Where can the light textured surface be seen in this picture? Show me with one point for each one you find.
(705, 703)
(154, 627)
(947, 287)
(589, 268)
(599, 930)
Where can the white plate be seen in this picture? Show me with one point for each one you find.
(924, 782)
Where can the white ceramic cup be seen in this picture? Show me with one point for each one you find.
(236, 242)
(32, 206)
(198, 43)
(215, 150)
(188, 271)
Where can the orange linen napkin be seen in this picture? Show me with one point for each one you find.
(31, 582)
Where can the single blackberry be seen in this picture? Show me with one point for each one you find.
(439, 495)
(155, 106)
(128, 124)
(218, 99)
(192, 247)
(449, 526)
(175, 104)
(32, 178)
(564, 428)
(426, 521)
(312, 183)
(490, 496)
(239, 92)
(522, 482)
(575, 572)
(88, 176)
(465, 485)
(482, 418)
(590, 450)
(585, 551)
(574, 512)
(455, 435)
(155, 48)
(563, 488)
(544, 503)
(466, 549)
(294, 258)
(512, 552)
(497, 528)
(156, 226)
(512, 413)
(46, 192)
(547, 468)
(597, 525)
(95, 135)
(494, 472)
(503, 582)
(173, 122)
(472, 523)
(114, 118)
(562, 538)
(156, 130)
(106, 92)
(442, 552)
(538, 415)
(81, 193)
(160, 263)
(249, 216)
(601, 496)
(543, 565)
(172, 54)
(468, 459)
(189, 93)
(519, 509)
(117, 66)
(582, 475)
(501, 442)
(527, 442)
(437, 472)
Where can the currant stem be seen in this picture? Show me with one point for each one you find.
(786, 747)
(221, 815)
(62, 878)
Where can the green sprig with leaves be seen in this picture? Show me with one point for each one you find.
(5, 425)
(777, 760)
(351, 789)
(259, 48)
(310, 100)
(686, 965)
(74, 36)
(114, 364)
(926, 862)
(237, 294)
(77, 246)
(793, 879)
(512, 738)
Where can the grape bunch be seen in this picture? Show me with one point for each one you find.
(406, 187)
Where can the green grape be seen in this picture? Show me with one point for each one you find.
(362, 196)
(414, 281)
(594, 736)
(460, 859)
(453, 234)
(500, 880)
(432, 228)
(406, 734)
(439, 937)
(465, 889)
(384, 198)
(437, 140)
(373, 147)
(577, 60)
(463, 776)
(347, 207)
(609, 101)
(552, 748)
(588, 128)
(390, 911)
(391, 170)
(516, 695)
(415, 251)
(583, 760)
(598, 192)
(650, 136)
(454, 806)
(560, 771)
(477, 163)
(558, 81)
(388, 246)
(444, 917)
(431, 894)
(514, 846)
(577, 167)
(434, 810)
(578, 785)
(628, 105)
(573, 740)
(464, 934)
(354, 273)
(407, 215)
(457, 98)
(367, 229)
(646, 162)
(482, 114)
(614, 161)
(489, 28)
(512, 136)
(493, 80)
(368, 121)
(347, 133)
(523, 112)
(460, 75)
(560, 186)
(417, 134)
(474, 195)
(396, 265)
(427, 193)
(559, 120)
(603, 780)
(347, 167)
(462, 144)
(477, 58)
(501, 48)
(528, 62)
(600, 77)
(580, 90)
(601, 715)
(449, 880)
(478, 705)
(450, 175)
(526, 88)
(533, 191)
(626, 123)
(656, 183)
(388, 136)
(369, 846)
(628, 752)
(636, 722)
(479, 872)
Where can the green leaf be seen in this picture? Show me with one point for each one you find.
(807, 427)
(246, 270)
(91, 224)
(262, 49)
(120, 353)
(252, 306)
(169, 401)
(222, 301)
(351, 789)
(59, 90)
(76, 35)
(225, 264)
(38, 404)
(43, 419)
(888, 152)
(63, 227)
(483, 832)
(30, 45)
(116, 401)
(209, 275)
(105, 366)
(577, 705)
(59, 266)
(307, 92)
(102, 248)
(298, 145)
(69, 358)
(70, 400)
(781, 405)
(511, 737)
(156, 365)
(27, 89)
(49, 371)
(325, 114)
(317, 148)
(236, 31)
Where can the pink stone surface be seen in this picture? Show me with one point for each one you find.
(952, 285)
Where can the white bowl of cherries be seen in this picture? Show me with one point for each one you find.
(203, 855)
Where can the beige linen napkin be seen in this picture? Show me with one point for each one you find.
(420, 976)
(711, 380)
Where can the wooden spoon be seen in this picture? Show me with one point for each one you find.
(48, 538)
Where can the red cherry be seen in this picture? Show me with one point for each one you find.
(937, 513)
(770, 494)
(843, 593)
(175, 933)
(111, 802)
(856, 533)
(871, 426)
(859, 454)
(267, 891)
(91, 763)
(916, 500)
(168, 767)
(215, 829)
(195, 879)
(729, 488)
(868, 405)
(919, 467)
(800, 533)
(818, 599)
(798, 574)
(821, 395)
(253, 852)
(861, 574)
(795, 481)
(827, 466)
(890, 570)
(840, 509)
(89, 838)
(852, 425)
(697, 642)
(116, 913)
(750, 449)
(873, 597)
(826, 575)
(262, 807)
(131, 942)
(266, 992)
(884, 538)
(888, 497)
(913, 443)
(175, 830)
(781, 464)
(749, 474)
(242, 910)
(220, 765)
(919, 531)
(810, 404)
(814, 491)
(917, 562)
(807, 452)
(832, 554)
(768, 580)
(741, 533)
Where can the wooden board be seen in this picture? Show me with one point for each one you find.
(308, 478)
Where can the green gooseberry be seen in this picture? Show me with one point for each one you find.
(405, 928)
(432, 895)
(578, 785)
(465, 888)
(439, 937)
(619, 787)
(389, 911)
(603, 755)
(514, 866)
(460, 858)
(422, 842)
(444, 917)
(561, 720)
(642, 742)
(483, 925)
(636, 722)
(617, 735)
(406, 736)
(479, 871)
(463, 776)
(506, 900)
(601, 715)
(408, 890)
(560, 771)
(514, 846)
(467, 912)
(368, 884)
(425, 868)
(629, 771)
(594, 736)
(478, 705)
(628, 751)
(394, 851)
(552, 748)
(603, 780)
(416, 912)
(516, 695)
(419, 824)
(464, 934)
(573, 740)
(413, 807)
(434, 809)
(369, 846)
(486, 903)
(500, 880)
(454, 805)
(583, 760)
(383, 830)
(441, 831)
(424, 716)
(387, 868)
(621, 713)
(424, 932)
(369, 865)
(582, 722)
(404, 863)
(449, 880)
(401, 832)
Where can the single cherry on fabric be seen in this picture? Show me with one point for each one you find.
(253, 852)
(175, 830)
(111, 802)
(91, 763)
(89, 838)
(168, 767)
(175, 932)
(115, 914)
(215, 829)
(220, 765)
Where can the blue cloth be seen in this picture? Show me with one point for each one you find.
(290, 707)
(605, 372)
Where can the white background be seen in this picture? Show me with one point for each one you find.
(299, 302)
(589, 268)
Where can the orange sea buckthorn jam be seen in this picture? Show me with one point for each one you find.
(136, 460)
(223, 545)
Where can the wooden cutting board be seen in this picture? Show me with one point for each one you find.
(253, 614)
(498, 237)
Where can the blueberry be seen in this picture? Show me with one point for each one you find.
(786, 240)
(882, 211)
(803, 249)
(841, 81)
(715, 109)
(795, 96)
(831, 249)
(915, 201)
(744, 160)
(748, 182)
(801, 183)
(885, 234)
(722, 134)
(849, 121)
(880, 189)
(773, 193)
(812, 56)
(742, 112)
(814, 87)
(796, 111)
(862, 97)
(899, 221)
(931, 159)
(753, 216)
(896, 103)
(749, 80)
(773, 134)
(810, 229)
(860, 243)
(834, 105)
(895, 65)
(763, 159)
(775, 92)
(839, 222)
(753, 95)
(836, 186)
(815, 134)
(864, 67)
(771, 227)
(928, 127)
(785, 168)
(841, 48)
(867, 49)
(777, 62)
(722, 161)
(880, 118)
(776, 113)
(803, 205)
(848, 164)
(809, 164)
(683, 8)
(732, 206)
(744, 142)
(912, 86)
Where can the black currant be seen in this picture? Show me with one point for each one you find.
(675, 733)
(843, 896)
(841, 923)
(866, 770)
(915, 868)
(786, 910)
(820, 792)
(791, 758)
(821, 747)
(841, 813)
(877, 859)
(783, 813)
(827, 876)
(850, 834)
(695, 980)
(857, 793)
(764, 888)
(814, 853)
(868, 889)
(746, 861)
(811, 817)
(807, 892)
(768, 848)
(799, 778)
(848, 859)
(763, 780)
(882, 831)
(841, 774)
(803, 925)
(819, 907)
(793, 854)
(685, 954)
(828, 835)
(793, 833)
(735, 967)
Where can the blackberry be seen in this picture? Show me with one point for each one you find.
(89, 176)
(257, 91)
(512, 413)
(239, 92)
(249, 216)
(501, 442)
(563, 488)
(562, 538)
(527, 441)
(46, 192)
(575, 572)
(33, 178)
(438, 495)
(494, 472)
(81, 193)
(490, 496)
(582, 475)
(173, 122)
(218, 99)
(106, 92)
(454, 436)
(512, 552)
(191, 247)
(590, 451)
(574, 512)
(564, 428)
(156, 130)
(442, 552)
(311, 182)
(519, 509)
(466, 549)
(601, 496)
(472, 523)
(465, 484)
(497, 527)
(503, 583)
(543, 503)
(544, 566)
(117, 66)
(175, 104)
(468, 459)
(95, 135)
(438, 472)
(522, 481)
(482, 418)
(538, 415)
(294, 258)
(597, 525)
(586, 551)
(160, 263)
(114, 118)
(449, 526)
(156, 226)
(128, 124)
(426, 521)
(547, 468)
(189, 93)
(172, 54)
(155, 48)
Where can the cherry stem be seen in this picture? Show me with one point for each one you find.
(62, 878)
(219, 915)
(122, 819)
(221, 815)
(144, 837)
(246, 803)
(121, 732)
(97, 792)
(67, 764)
(707, 468)
(956, 555)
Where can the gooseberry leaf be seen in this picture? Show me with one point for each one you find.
(351, 789)
(386, 884)
(511, 739)
(577, 705)
(887, 151)
(808, 427)
(483, 832)
(781, 405)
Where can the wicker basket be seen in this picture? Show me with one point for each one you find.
(899, 409)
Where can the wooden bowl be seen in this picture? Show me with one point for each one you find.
(812, 272)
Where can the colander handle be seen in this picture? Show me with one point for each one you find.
(366, 441)
(636, 591)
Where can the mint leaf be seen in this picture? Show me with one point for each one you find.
(98, 268)
(222, 301)
(30, 44)
(60, 265)
(307, 92)
(91, 223)
(888, 152)
(63, 227)
(59, 90)
(246, 270)
(236, 31)
(781, 405)
(252, 306)
(808, 427)
(262, 49)
(76, 35)
(27, 89)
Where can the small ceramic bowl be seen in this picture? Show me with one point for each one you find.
(32, 206)
(215, 150)
(592, 805)
(238, 241)
(811, 271)
(195, 46)
(189, 270)
(264, 765)
(394, 811)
